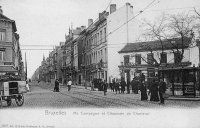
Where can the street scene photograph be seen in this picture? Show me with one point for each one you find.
(99, 54)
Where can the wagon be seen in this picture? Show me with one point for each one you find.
(12, 90)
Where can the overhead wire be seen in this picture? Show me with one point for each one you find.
(111, 31)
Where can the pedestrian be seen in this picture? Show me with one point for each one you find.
(92, 85)
(133, 85)
(86, 84)
(100, 85)
(153, 90)
(113, 85)
(116, 86)
(105, 85)
(27, 86)
(56, 88)
(123, 85)
(69, 84)
(143, 91)
(162, 89)
(128, 87)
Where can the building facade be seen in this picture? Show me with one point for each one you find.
(92, 53)
(10, 52)
(137, 59)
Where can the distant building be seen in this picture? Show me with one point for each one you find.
(68, 55)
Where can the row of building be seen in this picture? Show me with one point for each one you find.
(10, 52)
(87, 53)
(108, 49)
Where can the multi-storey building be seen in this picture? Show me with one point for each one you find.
(138, 58)
(68, 55)
(59, 59)
(95, 49)
(104, 38)
(10, 53)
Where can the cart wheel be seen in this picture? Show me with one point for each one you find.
(19, 100)
(9, 102)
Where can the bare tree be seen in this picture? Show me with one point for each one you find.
(169, 27)
(197, 12)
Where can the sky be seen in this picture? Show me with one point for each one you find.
(45, 22)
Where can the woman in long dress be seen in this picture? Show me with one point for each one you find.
(143, 90)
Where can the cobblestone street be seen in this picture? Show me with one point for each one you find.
(42, 96)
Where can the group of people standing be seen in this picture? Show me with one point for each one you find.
(157, 88)
(118, 86)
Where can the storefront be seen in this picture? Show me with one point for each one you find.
(182, 81)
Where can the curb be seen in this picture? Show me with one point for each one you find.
(183, 99)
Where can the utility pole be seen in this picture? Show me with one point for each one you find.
(26, 67)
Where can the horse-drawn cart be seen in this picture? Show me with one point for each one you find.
(12, 89)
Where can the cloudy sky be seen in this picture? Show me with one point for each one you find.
(45, 22)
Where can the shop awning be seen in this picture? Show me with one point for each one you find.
(6, 69)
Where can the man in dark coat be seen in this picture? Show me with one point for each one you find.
(135, 85)
(113, 85)
(105, 86)
(116, 86)
(162, 89)
(128, 86)
(123, 85)
(143, 90)
(153, 90)
(56, 88)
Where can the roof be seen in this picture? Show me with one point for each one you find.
(155, 45)
(4, 18)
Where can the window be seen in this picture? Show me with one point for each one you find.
(2, 55)
(150, 58)
(97, 38)
(138, 59)
(104, 34)
(163, 57)
(100, 36)
(2, 35)
(105, 55)
(177, 56)
(126, 60)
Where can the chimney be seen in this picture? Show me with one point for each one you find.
(1, 11)
(112, 8)
(100, 14)
(131, 8)
(83, 27)
(90, 22)
(128, 4)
